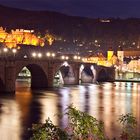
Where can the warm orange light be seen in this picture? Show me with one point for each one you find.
(50, 39)
(20, 36)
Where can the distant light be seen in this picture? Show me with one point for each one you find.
(14, 50)
(39, 55)
(90, 51)
(134, 43)
(5, 50)
(34, 54)
(83, 59)
(53, 54)
(48, 54)
(62, 57)
(67, 57)
(80, 45)
(18, 47)
(105, 20)
(75, 57)
(96, 41)
(79, 57)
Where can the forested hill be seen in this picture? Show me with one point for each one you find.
(70, 27)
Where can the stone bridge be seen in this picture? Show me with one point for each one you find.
(43, 72)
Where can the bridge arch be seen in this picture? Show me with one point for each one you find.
(102, 75)
(38, 75)
(66, 73)
(87, 73)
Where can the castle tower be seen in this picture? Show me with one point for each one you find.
(120, 54)
(110, 53)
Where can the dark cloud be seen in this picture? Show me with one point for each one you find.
(88, 8)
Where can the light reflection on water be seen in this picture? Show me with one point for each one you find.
(105, 102)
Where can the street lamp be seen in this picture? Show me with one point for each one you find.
(83, 59)
(63, 57)
(96, 41)
(53, 54)
(5, 50)
(66, 57)
(39, 55)
(48, 54)
(79, 57)
(14, 50)
(75, 57)
(34, 54)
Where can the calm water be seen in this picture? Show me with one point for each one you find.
(105, 102)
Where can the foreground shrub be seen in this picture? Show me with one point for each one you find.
(82, 126)
(48, 131)
(128, 127)
(85, 126)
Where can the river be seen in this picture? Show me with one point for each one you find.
(104, 101)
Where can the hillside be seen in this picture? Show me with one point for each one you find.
(71, 28)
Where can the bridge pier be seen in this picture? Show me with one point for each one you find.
(51, 73)
(10, 72)
(76, 74)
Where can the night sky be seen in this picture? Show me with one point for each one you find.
(86, 8)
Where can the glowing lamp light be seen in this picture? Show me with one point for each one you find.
(18, 47)
(62, 57)
(14, 50)
(133, 43)
(5, 50)
(79, 57)
(75, 57)
(53, 54)
(83, 59)
(39, 55)
(67, 57)
(34, 54)
(96, 41)
(48, 54)
(50, 40)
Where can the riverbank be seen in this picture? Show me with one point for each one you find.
(127, 80)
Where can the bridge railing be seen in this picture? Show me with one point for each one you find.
(36, 54)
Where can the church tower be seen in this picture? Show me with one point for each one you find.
(120, 54)
(110, 53)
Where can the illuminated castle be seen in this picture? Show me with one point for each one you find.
(3, 34)
(20, 36)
